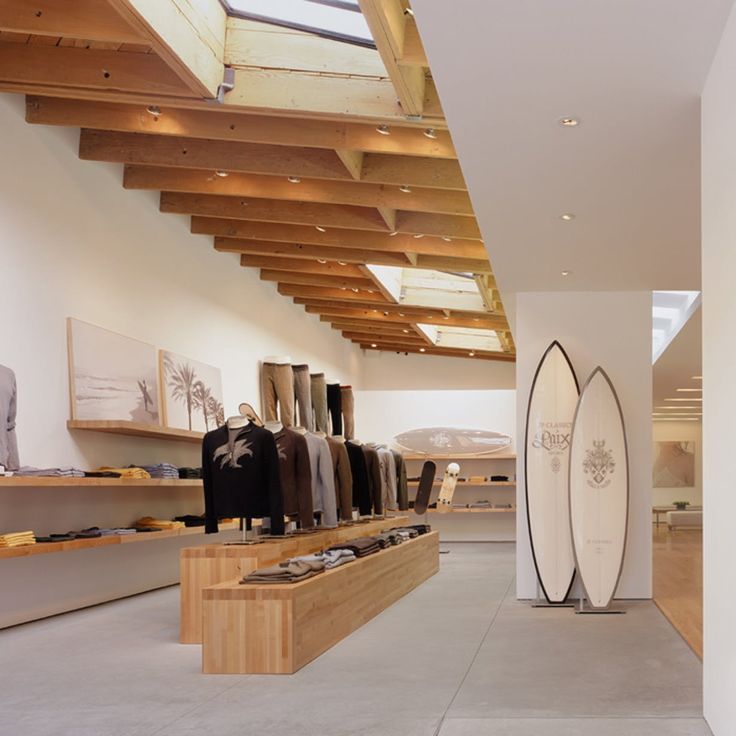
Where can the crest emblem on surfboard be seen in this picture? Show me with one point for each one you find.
(599, 464)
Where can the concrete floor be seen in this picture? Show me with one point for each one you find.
(457, 657)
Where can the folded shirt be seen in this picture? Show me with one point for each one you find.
(330, 557)
(30, 471)
(190, 520)
(290, 571)
(100, 474)
(17, 539)
(362, 546)
(148, 522)
(132, 472)
(499, 478)
(190, 473)
(161, 470)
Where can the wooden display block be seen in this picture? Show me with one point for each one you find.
(210, 564)
(277, 629)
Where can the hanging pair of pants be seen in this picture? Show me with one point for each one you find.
(319, 402)
(348, 411)
(334, 407)
(303, 396)
(277, 383)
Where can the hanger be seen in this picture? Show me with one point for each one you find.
(246, 410)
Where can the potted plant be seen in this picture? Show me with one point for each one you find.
(681, 505)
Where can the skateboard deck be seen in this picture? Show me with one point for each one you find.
(447, 491)
(426, 481)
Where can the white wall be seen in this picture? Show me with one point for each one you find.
(676, 431)
(73, 242)
(614, 330)
(719, 389)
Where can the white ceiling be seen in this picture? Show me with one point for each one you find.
(632, 72)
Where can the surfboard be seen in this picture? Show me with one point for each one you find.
(599, 489)
(447, 491)
(452, 442)
(552, 401)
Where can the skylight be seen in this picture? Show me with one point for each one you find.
(340, 20)
(670, 311)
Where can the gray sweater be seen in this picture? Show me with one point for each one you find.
(8, 444)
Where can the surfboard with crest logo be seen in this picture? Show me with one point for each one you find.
(599, 489)
(552, 401)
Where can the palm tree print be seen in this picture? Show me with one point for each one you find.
(181, 379)
(202, 397)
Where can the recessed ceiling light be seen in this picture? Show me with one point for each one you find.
(565, 273)
(154, 110)
(373, 345)
(383, 129)
(320, 228)
(391, 234)
(406, 332)
(567, 216)
(405, 188)
(321, 260)
(471, 354)
(418, 235)
(569, 122)
(222, 174)
(294, 180)
(342, 263)
(355, 290)
(430, 133)
(343, 288)
(690, 390)
(446, 239)
(421, 350)
(401, 314)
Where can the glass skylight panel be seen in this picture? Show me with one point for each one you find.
(340, 20)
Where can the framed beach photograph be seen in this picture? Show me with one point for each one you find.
(111, 377)
(674, 464)
(191, 393)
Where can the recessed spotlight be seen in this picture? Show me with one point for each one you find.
(294, 180)
(569, 122)
(446, 239)
(343, 288)
(383, 129)
(445, 317)
(320, 228)
(401, 314)
(565, 273)
(373, 345)
(222, 174)
(321, 260)
(406, 332)
(422, 350)
(355, 290)
(418, 235)
(430, 133)
(391, 234)
(471, 354)
(154, 110)
(567, 217)
(409, 11)
(385, 314)
(342, 263)
(405, 188)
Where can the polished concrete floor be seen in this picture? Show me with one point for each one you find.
(457, 657)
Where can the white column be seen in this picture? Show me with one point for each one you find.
(719, 386)
(614, 330)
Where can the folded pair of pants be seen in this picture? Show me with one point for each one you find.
(303, 396)
(319, 402)
(347, 403)
(277, 382)
(334, 407)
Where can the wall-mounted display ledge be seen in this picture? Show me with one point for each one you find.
(136, 429)
(41, 548)
(440, 458)
(470, 511)
(54, 482)
(473, 483)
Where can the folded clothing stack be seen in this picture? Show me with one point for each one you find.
(101, 474)
(17, 539)
(131, 472)
(290, 571)
(480, 505)
(362, 546)
(190, 473)
(499, 478)
(330, 557)
(119, 532)
(477, 479)
(29, 471)
(459, 505)
(91, 533)
(148, 522)
(421, 528)
(162, 470)
(391, 538)
(190, 520)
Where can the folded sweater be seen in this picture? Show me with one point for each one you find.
(290, 571)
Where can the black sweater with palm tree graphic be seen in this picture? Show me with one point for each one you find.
(240, 473)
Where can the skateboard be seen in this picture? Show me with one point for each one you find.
(444, 502)
(426, 481)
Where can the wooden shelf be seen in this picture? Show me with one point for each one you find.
(54, 482)
(45, 548)
(436, 458)
(485, 483)
(136, 429)
(469, 511)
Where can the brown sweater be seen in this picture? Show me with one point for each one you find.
(343, 478)
(296, 475)
(374, 478)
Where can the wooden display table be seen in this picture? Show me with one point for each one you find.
(210, 564)
(277, 629)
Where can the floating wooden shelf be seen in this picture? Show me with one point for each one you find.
(54, 482)
(136, 429)
(45, 548)
(469, 511)
(484, 483)
(440, 458)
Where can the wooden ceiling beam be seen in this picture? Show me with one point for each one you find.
(412, 313)
(259, 158)
(297, 250)
(188, 36)
(362, 337)
(437, 224)
(313, 280)
(345, 296)
(194, 181)
(75, 69)
(448, 263)
(89, 19)
(413, 50)
(386, 314)
(401, 243)
(302, 265)
(370, 326)
(446, 352)
(217, 124)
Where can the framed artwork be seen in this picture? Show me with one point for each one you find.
(192, 393)
(674, 464)
(111, 377)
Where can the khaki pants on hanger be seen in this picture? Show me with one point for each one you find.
(348, 411)
(319, 402)
(303, 395)
(277, 383)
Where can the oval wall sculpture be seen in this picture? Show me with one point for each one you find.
(599, 489)
(552, 401)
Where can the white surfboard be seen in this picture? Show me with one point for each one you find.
(552, 401)
(599, 489)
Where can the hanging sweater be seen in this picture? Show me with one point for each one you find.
(296, 475)
(323, 479)
(343, 478)
(361, 487)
